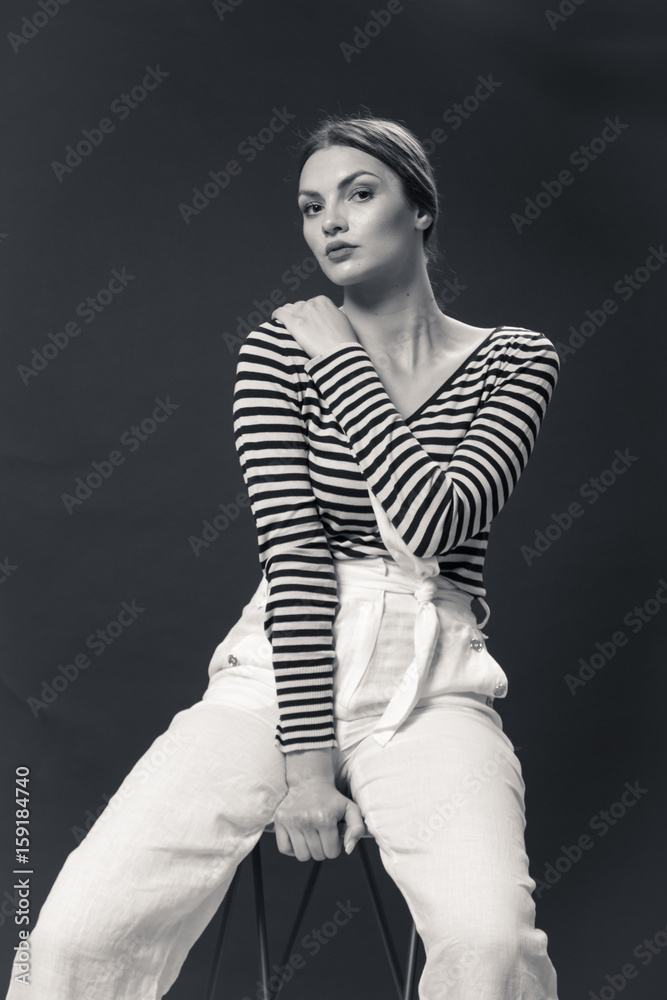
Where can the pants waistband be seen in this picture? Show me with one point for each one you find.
(380, 573)
(429, 589)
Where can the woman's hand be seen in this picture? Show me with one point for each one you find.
(306, 821)
(317, 325)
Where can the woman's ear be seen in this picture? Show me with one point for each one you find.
(423, 219)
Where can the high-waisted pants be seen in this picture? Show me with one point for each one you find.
(443, 798)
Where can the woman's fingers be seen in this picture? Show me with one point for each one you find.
(283, 840)
(314, 844)
(300, 844)
(307, 821)
(330, 837)
(309, 841)
(356, 827)
(317, 325)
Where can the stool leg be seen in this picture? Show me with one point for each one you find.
(261, 918)
(217, 954)
(412, 964)
(382, 922)
(307, 893)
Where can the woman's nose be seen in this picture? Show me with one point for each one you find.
(333, 222)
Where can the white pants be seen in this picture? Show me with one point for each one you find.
(444, 799)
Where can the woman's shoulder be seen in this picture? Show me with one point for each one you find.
(523, 344)
(270, 342)
(520, 335)
(270, 334)
(500, 339)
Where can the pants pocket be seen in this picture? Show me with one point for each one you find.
(378, 667)
(355, 633)
(246, 641)
(461, 661)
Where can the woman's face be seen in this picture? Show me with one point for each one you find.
(348, 196)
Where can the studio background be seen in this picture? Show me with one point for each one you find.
(165, 338)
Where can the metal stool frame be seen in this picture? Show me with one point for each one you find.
(404, 984)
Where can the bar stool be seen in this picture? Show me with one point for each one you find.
(404, 983)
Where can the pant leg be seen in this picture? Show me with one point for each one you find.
(133, 897)
(445, 802)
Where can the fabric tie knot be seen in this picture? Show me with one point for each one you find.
(426, 591)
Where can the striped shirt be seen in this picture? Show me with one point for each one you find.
(313, 435)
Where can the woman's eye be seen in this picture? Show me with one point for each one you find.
(306, 210)
(313, 208)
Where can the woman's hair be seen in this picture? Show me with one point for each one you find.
(397, 147)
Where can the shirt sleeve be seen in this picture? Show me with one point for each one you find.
(294, 553)
(436, 508)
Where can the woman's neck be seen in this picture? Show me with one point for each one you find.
(402, 325)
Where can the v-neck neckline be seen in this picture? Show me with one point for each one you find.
(444, 385)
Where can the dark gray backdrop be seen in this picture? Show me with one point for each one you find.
(166, 338)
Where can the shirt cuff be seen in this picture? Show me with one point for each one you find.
(306, 743)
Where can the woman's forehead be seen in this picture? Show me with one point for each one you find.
(335, 164)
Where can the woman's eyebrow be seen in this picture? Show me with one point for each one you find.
(345, 181)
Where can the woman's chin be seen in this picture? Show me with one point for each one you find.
(346, 276)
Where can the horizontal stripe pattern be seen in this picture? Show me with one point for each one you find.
(313, 435)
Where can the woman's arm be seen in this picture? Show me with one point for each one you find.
(293, 549)
(302, 596)
(433, 508)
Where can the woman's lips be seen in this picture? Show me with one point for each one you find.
(341, 254)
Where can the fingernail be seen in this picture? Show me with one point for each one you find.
(349, 848)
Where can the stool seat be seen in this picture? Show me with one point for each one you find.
(405, 984)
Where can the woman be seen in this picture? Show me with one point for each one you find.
(378, 440)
